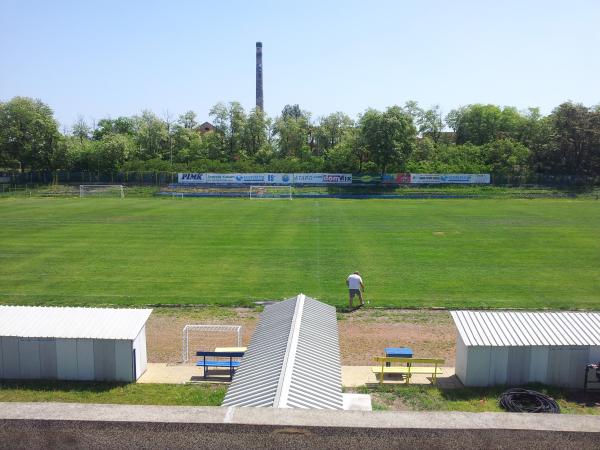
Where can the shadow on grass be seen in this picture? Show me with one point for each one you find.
(57, 386)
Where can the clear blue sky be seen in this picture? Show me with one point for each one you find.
(111, 58)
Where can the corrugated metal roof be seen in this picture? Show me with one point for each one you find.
(71, 323)
(505, 328)
(293, 359)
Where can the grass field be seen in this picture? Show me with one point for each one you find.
(412, 253)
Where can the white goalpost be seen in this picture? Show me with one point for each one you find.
(230, 329)
(270, 192)
(101, 190)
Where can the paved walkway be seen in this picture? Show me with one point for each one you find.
(352, 376)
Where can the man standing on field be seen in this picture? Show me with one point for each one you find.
(355, 285)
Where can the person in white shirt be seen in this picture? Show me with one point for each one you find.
(355, 286)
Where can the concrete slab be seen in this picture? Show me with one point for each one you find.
(352, 376)
(181, 374)
(357, 402)
(298, 417)
(168, 373)
(355, 376)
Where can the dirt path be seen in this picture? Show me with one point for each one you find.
(363, 333)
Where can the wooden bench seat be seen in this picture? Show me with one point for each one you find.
(433, 369)
(403, 370)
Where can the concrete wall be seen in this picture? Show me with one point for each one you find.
(67, 359)
(50, 425)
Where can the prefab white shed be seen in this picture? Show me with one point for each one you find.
(515, 348)
(99, 344)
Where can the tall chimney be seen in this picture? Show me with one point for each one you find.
(259, 77)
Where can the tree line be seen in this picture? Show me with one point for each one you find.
(475, 138)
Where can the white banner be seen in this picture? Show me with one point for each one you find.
(322, 178)
(449, 178)
(235, 178)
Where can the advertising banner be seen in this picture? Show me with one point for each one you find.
(450, 178)
(396, 178)
(322, 178)
(366, 179)
(235, 178)
(191, 178)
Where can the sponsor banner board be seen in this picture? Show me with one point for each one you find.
(322, 178)
(396, 178)
(191, 178)
(449, 178)
(366, 179)
(235, 178)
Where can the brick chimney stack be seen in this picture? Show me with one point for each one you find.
(259, 77)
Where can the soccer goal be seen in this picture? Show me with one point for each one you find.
(208, 337)
(101, 190)
(270, 192)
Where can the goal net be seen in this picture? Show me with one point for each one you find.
(101, 190)
(207, 338)
(270, 192)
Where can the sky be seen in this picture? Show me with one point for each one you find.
(111, 58)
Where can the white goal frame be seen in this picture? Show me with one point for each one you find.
(215, 328)
(258, 192)
(82, 188)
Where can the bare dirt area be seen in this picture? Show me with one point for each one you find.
(363, 333)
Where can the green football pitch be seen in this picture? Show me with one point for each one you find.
(411, 253)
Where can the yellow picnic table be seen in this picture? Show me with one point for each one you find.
(231, 349)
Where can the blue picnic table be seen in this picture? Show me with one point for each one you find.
(231, 364)
(398, 352)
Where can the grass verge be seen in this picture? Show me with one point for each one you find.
(117, 393)
(431, 398)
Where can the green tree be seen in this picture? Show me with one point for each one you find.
(113, 151)
(187, 144)
(188, 120)
(293, 133)
(28, 133)
(388, 136)
(506, 157)
(229, 122)
(81, 129)
(120, 125)
(256, 132)
(480, 124)
(151, 135)
(331, 130)
(292, 112)
(575, 147)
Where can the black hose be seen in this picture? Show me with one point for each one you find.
(524, 400)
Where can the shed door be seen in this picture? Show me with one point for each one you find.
(133, 365)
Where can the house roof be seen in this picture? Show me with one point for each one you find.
(71, 323)
(293, 359)
(505, 328)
